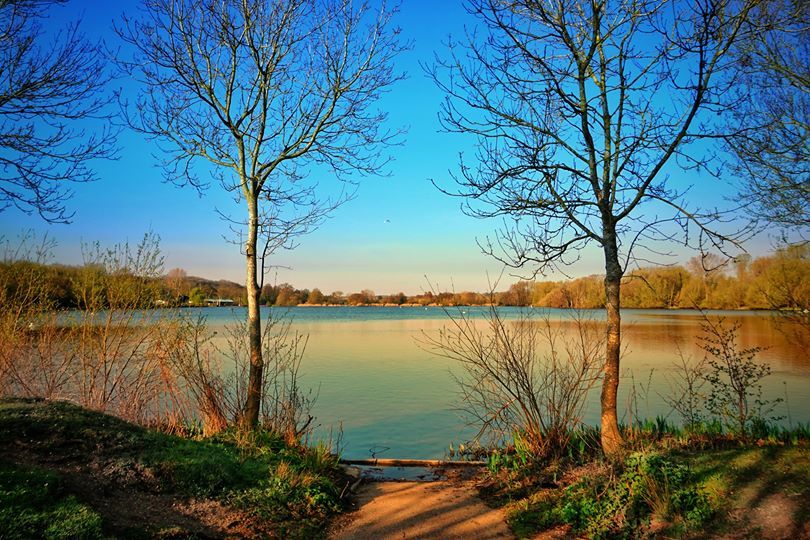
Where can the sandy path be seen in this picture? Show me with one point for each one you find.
(421, 510)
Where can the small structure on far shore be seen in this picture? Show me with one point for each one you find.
(218, 302)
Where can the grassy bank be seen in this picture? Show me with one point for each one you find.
(67, 472)
(666, 488)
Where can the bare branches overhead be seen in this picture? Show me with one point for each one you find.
(580, 108)
(253, 86)
(50, 85)
(771, 127)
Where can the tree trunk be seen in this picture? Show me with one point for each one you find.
(254, 322)
(611, 437)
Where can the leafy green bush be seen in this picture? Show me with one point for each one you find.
(649, 484)
(669, 490)
(620, 503)
(293, 494)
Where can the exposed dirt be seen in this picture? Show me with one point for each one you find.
(773, 517)
(770, 506)
(129, 506)
(443, 509)
(127, 495)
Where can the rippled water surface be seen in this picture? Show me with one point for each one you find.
(395, 399)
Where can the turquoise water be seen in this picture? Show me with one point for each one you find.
(223, 315)
(392, 398)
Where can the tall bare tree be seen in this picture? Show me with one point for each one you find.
(261, 90)
(584, 111)
(176, 282)
(49, 82)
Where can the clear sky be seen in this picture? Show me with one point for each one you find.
(397, 230)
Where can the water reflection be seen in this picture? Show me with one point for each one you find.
(374, 379)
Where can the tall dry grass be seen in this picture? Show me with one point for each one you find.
(118, 354)
(213, 370)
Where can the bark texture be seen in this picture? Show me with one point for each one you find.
(254, 388)
(611, 436)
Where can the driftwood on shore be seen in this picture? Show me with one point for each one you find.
(381, 462)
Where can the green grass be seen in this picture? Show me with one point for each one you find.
(672, 481)
(295, 488)
(678, 493)
(33, 504)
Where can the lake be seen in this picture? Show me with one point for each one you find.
(395, 399)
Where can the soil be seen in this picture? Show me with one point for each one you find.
(128, 496)
(766, 513)
(130, 506)
(448, 508)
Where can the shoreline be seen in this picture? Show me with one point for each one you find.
(743, 309)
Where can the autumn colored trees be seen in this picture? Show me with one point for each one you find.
(776, 281)
(780, 280)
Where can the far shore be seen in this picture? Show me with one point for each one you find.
(673, 308)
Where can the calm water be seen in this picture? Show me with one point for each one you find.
(396, 400)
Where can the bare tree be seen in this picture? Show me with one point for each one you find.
(706, 264)
(261, 90)
(583, 112)
(176, 282)
(771, 135)
(49, 84)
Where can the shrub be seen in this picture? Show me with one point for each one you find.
(734, 375)
(621, 503)
(527, 376)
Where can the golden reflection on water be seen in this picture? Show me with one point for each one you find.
(374, 378)
(783, 350)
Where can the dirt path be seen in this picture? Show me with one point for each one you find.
(402, 510)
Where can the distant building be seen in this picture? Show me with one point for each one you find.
(218, 302)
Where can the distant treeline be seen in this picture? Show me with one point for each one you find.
(780, 280)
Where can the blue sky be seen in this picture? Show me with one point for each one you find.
(398, 229)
